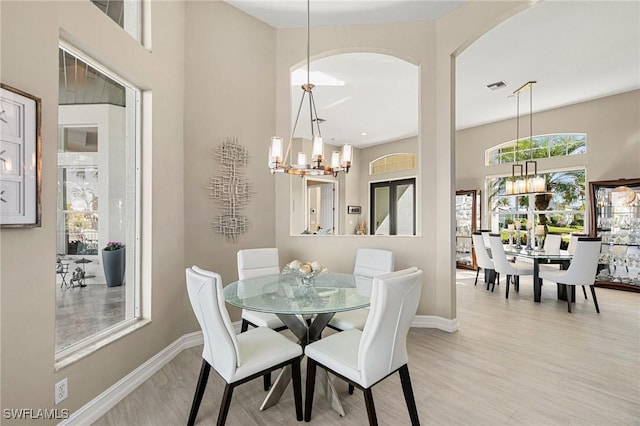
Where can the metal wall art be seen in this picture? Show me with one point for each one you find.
(232, 189)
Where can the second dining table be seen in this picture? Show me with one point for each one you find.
(304, 309)
(557, 257)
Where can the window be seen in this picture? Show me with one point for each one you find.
(393, 209)
(541, 146)
(562, 210)
(125, 13)
(392, 163)
(98, 178)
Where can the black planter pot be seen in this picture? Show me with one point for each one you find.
(113, 262)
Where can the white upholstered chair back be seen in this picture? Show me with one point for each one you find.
(257, 262)
(500, 262)
(552, 243)
(573, 240)
(584, 265)
(373, 262)
(482, 255)
(485, 237)
(207, 301)
(383, 345)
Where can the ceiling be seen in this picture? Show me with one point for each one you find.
(575, 50)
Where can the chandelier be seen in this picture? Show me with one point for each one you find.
(527, 181)
(280, 161)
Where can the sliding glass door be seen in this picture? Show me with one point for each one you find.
(393, 209)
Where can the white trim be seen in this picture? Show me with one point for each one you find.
(96, 408)
(431, 321)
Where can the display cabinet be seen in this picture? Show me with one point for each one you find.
(615, 217)
(467, 221)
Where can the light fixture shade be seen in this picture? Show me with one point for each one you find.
(509, 187)
(317, 149)
(346, 155)
(521, 186)
(539, 184)
(302, 159)
(275, 153)
(335, 159)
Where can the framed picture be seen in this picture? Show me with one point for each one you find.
(353, 209)
(20, 159)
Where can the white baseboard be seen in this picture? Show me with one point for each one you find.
(96, 408)
(430, 321)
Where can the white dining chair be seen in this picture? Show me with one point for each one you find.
(573, 240)
(256, 263)
(503, 266)
(483, 260)
(552, 243)
(369, 264)
(365, 357)
(582, 270)
(236, 358)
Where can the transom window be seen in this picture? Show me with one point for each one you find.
(392, 163)
(540, 146)
(125, 13)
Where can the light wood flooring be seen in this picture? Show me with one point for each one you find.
(512, 362)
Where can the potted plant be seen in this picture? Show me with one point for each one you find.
(113, 262)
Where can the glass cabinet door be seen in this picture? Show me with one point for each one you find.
(467, 222)
(615, 217)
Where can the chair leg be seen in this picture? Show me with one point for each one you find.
(568, 297)
(224, 405)
(297, 387)
(371, 408)
(595, 299)
(584, 291)
(245, 326)
(407, 389)
(477, 273)
(200, 387)
(517, 283)
(266, 381)
(507, 293)
(351, 389)
(311, 384)
(496, 278)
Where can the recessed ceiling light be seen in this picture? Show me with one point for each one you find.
(497, 85)
(364, 133)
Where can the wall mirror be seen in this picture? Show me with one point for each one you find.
(368, 100)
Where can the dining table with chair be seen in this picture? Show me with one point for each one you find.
(292, 302)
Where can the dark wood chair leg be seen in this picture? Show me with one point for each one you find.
(584, 291)
(266, 381)
(595, 299)
(477, 273)
(245, 326)
(200, 387)
(407, 389)
(371, 408)
(224, 406)
(568, 297)
(297, 387)
(311, 384)
(507, 293)
(351, 389)
(517, 283)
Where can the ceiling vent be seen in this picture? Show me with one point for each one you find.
(497, 85)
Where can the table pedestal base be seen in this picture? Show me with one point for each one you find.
(305, 334)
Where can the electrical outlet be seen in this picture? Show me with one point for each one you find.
(61, 391)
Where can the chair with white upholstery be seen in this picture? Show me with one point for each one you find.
(503, 266)
(582, 270)
(369, 263)
(552, 243)
(256, 263)
(573, 240)
(237, 359)
(483, 260)
(364, 358)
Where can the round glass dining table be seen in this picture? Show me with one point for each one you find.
(285, 296)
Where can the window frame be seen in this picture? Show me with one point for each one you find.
(393, 185)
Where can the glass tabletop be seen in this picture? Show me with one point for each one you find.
(283, 294)
(538, 254)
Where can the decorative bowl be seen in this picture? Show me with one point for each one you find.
(305, 271)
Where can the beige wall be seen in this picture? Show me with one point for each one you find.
(229, 91)
(613, 141)
(30, 32)
(431, 46)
